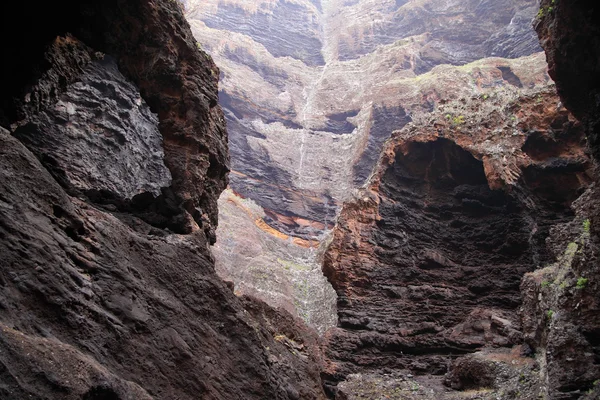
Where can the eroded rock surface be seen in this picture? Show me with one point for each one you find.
(312, 90)
(561, 310)
(263, 262)
(303, 136)
(101, 135)
(100, 298)
(560, 306)
(322, 160)
(570, 36)
(91, 304)
(499, 374)
(428, 260)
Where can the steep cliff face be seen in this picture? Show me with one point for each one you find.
(428, 260)
(569, 34)
(263, 262)
(455, 32)
(311, 91)
(294, 123)
(109, 185)
(561, 301)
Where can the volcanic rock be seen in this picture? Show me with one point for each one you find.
(428, 259)
(107, 283)
(311, 90)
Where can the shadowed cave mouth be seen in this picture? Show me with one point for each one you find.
(101, 393)
(447, 249)
(438, 193)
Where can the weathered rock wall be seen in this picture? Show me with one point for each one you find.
(311, 91)
(428, 260)
(396, 101)
(109, 184)
(303, 135)
(569, 34)
(561, 301)
(263, 262)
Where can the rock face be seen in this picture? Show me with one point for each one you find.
(570, 36)
(265, 263)
(117, 143)
(561, 301)
(560, 307)
(312, 89)
(123, 154)
(427, 261)
(303, 134)
(456, 32)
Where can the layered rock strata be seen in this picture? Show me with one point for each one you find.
(312, 89)
(265, 263)
(430, 91)
(109, 184)
(428, 260)
(304, 132)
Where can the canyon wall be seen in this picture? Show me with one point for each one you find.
(112, 160)
(428, 233)
(561, 301)
(312, 90)
(427, 261)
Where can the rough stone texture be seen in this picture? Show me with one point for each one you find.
(560, 301)
(491, 375)
(61, 63)
(570, 36)
(96, 303)
(179, 83)
(263, 262)
(312, 89)
(284, 28)
(336, 163)
(100, 135)
(304, 135)
(428, 259)
(81, 290)
(561, 306)
(182, 93)
(457, 32)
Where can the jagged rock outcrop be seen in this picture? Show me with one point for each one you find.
(123, 155)
(570, 36)
(561, 310)
(428, 260)
(109, 184)
(561, 301)
(93, 306)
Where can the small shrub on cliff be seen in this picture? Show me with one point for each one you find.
(563, 285)
(456, 120)
(459, 120)
(550, 314)
(546, 10)
(586, 226)
(581, 282)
